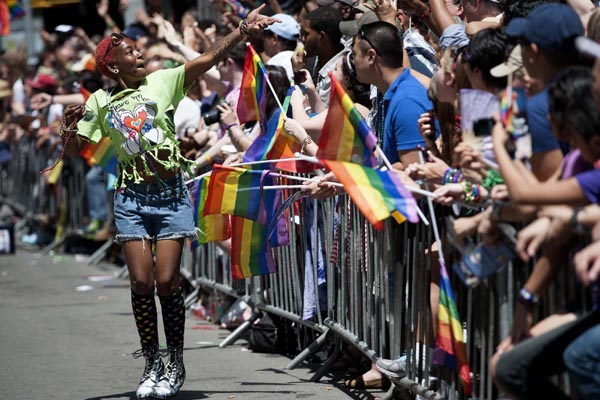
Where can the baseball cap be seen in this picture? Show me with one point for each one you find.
(288, 28)
(351, 28)
(548, 26)
(42, 82)
(330, 2)
(514, 62)
(587, 46)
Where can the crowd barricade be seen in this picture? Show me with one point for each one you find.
(378, 295)
(54, 198)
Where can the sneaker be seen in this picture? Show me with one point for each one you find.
(173, 377)
(393, 368)
(91, 228)
(152, 373)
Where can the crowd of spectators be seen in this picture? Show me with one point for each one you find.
(430, 77)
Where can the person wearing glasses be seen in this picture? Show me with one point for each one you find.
(378, 57)
(152, 208)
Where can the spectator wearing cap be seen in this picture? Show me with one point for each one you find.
(345, 7)
(378, 59)
(279, 42)
(547, 37)
(42, 83)
(321, 37)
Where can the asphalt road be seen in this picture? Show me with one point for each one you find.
(64, 336)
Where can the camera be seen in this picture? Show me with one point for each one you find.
(212, 116)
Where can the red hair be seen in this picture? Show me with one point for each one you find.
(104, 55)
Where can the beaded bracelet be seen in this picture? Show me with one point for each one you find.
(492, 178)
(452, 175)
(468, 189)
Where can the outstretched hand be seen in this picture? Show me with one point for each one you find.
(258, 22)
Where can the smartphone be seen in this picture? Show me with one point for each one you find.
(483, 127)
(299, 77)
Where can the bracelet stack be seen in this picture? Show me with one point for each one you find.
(452, 175)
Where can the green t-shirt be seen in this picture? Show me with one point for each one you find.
(139, 123)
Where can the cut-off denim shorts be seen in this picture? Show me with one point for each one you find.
(154, 211)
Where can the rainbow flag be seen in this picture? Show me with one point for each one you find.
(250, 251)
(235, 191)
(377, 194)
(450, 346)
(346, 135)
(212, 227)
(102, 154)
(252, 101)
(274, 142)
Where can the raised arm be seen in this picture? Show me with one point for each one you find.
(255, 22)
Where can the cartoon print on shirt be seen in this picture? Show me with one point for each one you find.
(137, 125)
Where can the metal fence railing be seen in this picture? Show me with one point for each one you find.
(339, 278)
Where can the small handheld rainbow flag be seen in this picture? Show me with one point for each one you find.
(102, 154)
(377, 194)
(252, 101)
(450, 348)
(346, 135)
(274, 142)
(235, 191)
(212, 227)
(250, 251)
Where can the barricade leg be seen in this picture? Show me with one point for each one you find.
(310, 350)
(235, 335)
(99, 254)
(328, 363)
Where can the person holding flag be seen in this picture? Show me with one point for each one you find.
(152, 205)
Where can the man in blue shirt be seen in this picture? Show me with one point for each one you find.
(547, 37)
(378, 56)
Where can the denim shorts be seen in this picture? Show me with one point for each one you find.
(154, 211)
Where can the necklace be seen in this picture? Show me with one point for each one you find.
(380, 126)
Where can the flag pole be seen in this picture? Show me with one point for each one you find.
(266, 75)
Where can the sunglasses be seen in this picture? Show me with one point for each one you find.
(363, 35)
(116, 39)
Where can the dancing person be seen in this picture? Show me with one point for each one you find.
(152, 205)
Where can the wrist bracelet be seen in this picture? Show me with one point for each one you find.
(527, 298)
(307, 140)
(468, 189)
(229, 126)
(110, 24)
(207, 157)
(243, 26)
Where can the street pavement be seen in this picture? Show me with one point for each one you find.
(65, 330)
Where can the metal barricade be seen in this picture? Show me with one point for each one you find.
(378, 296)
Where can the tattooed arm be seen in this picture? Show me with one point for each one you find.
(254, 22)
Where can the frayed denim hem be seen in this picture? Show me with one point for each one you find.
(120, 239)
(178, 235)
